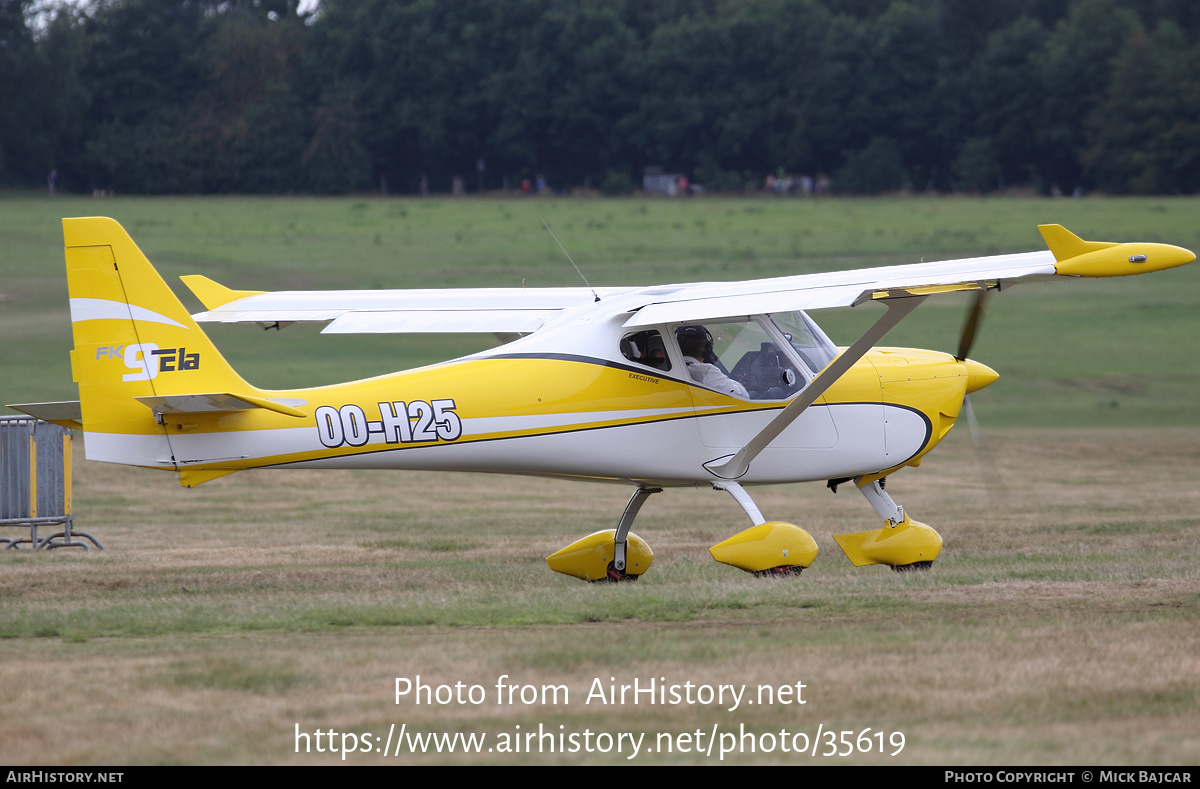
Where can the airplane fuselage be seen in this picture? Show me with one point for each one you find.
(534, 407)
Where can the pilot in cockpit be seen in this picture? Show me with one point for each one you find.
(696, 343)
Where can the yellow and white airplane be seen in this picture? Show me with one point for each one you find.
(721, 384)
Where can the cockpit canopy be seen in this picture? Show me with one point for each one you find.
(771, 356)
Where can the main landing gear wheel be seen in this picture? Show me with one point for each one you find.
(615, 576)
(786, 571)
(608, 555)
(914, 567)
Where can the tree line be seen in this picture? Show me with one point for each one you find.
(256, 96)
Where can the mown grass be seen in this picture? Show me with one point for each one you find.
(1059, 626)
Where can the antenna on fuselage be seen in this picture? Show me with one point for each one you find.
(568, 254)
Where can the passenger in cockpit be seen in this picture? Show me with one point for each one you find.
(696, 343)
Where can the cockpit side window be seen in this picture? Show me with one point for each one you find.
(739, 357)
(646, 348)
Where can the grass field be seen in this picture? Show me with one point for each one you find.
(1060, 625)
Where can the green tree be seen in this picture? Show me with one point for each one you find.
(885, 78)
(247, 115)
(733, 90)
(24, 155)
(1005, 95)
(1146, 131)
(63, 96)
(876, 169)
(142, 65)
(1076, 67)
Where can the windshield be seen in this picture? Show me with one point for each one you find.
(807, 338)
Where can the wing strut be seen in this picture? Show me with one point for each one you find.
(897, 310)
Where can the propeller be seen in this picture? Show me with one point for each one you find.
(967, 339)
(987, 463)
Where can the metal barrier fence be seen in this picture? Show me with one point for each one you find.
(35, 483)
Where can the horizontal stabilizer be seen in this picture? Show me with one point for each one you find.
(67, 413)
(218, 402)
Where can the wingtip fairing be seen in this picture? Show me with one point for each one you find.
(1078, 258)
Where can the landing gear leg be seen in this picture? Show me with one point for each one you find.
(902, 543)
(743, 499)
(889, 510)
(616, 568)
(766, 549)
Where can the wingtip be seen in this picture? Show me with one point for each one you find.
(213, 294)
(1066, 245)
(1078, 258)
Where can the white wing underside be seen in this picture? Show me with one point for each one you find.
(525, 310)
(841, 288)
(466, 310)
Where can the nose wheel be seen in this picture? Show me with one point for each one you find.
(902, 543)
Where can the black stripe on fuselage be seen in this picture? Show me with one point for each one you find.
(565, 431)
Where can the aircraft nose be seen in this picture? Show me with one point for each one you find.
(978, 375)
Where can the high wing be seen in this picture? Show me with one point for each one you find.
(501, 310)
(1068, 256)
(706, 301)
(524, 310)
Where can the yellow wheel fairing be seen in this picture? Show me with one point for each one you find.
(905, 543)
(588, 559)
(766, 547)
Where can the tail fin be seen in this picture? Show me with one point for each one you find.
(133, 339)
